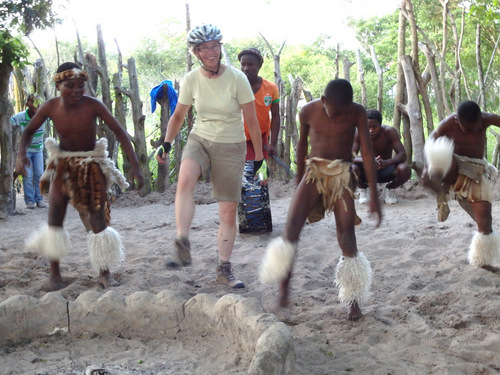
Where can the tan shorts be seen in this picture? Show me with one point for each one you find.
(223, 162)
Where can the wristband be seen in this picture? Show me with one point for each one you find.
(164, 148)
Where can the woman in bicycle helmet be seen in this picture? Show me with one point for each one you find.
(216, 145)
(205, 43)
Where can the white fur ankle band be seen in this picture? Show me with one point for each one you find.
(105, 249)
(439, 155)
(52, 242)
(353, 277)
(278, 261)
(484, 249)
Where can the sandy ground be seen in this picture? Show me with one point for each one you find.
(430, 311)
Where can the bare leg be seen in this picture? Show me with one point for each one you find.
(84, 217)
(55, 281)
(227, 229)
(184, 198)
(303, 201)
(284, 291)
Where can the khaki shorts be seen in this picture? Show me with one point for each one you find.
(223, 162)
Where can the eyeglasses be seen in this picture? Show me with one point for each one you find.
(206, 49)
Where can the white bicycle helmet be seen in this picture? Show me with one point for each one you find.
(203, 33)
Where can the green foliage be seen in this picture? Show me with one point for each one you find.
(164, 55)
(13, 51)
(27, 15)
(21, 17)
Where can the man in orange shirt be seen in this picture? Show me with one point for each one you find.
(266, 100)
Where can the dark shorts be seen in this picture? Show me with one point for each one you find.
(383, 175)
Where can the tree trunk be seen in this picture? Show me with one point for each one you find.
(106, 90)
(337, 62)
(120, 111)
(442, 70)
(361, 77)
(412, 108)
(480, 76)
(347, 69)
(407, 138)
(380, 75)
(162, 178)
(435, 80)
(458, 50)
(418, 75)
(139, 138)
(79, 57)
(456, 95)
(19, 89)
(7, 158)
(282, 149)
(400, 83)
(291, 116)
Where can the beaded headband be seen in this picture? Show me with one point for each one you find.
(71, 74)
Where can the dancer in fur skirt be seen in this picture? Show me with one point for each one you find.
(455, 167)
(78, 172)
(326, 184)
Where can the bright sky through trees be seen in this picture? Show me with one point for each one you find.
(297, 21)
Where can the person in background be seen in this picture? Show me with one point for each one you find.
(34, 169)
(391, 169)
(216, 145)
(267, 99)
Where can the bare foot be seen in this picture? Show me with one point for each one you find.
(54, 284)
(107, 280)
(354, 312)
(491, 268)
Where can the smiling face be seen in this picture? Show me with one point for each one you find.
(208, 53)
(72, 90)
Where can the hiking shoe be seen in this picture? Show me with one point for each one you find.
(225, 276)
(30, 205)
(41, 204)
(390, 196)
(182, 253)
(363, 196)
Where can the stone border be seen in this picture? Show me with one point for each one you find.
(148, 315)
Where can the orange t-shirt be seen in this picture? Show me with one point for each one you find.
(267, 95)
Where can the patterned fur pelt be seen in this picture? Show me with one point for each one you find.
(81, 175)
(98, 155)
